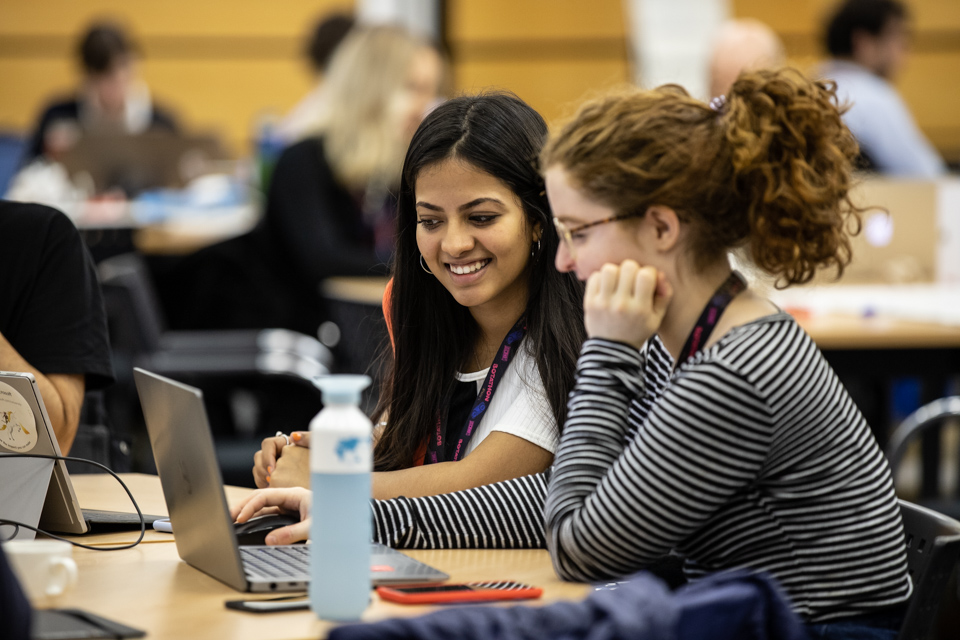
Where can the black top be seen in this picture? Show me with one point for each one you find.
(70, 110)
(461, 402)
(312, 228)
(51, 309)
(313, 222)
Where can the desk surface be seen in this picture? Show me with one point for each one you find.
(838, 331)
(150, 588)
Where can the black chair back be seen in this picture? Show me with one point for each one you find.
(933, 552)
(925, 424)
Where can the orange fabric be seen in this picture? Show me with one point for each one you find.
(387, 294)
(420, 455)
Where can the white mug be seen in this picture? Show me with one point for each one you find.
(45, 568)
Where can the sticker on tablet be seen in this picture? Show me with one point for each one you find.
(18, 428)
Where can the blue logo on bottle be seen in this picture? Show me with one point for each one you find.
(349, 446)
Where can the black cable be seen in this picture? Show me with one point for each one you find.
(14, 523)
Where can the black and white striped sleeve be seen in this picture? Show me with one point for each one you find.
(615, 507)
(504, 515)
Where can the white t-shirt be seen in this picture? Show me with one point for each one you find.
(519, 406)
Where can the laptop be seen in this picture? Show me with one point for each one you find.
(39, 492)
(901, 234)
(138, 162)
(193, 489)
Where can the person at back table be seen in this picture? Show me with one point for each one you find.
(867, 43)
(330, 206)
(486, 332)
(110, 99)
(704, 420)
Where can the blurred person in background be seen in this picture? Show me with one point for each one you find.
(326, 37)
(111, 97)
(742, 45)
(867, 41)
(330, 210)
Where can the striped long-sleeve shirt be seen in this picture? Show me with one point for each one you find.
(750, 454)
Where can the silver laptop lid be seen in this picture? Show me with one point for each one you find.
(192, 486)
(193, 489)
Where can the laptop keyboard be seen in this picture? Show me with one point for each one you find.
(291, 561)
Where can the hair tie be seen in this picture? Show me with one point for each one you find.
(718, 103)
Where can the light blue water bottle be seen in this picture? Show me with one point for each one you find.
(340, 529)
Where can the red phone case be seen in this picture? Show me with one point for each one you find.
(476, 594)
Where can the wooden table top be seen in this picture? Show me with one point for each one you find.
(150, 588)
(836, 331)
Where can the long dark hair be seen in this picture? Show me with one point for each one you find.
(433, 334)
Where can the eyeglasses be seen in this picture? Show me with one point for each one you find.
(566, 234)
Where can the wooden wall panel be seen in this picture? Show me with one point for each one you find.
(550, 54)
(28, 84)
(930, 83)
(217, 63)
(470, 20)
(553, 87)
(177, 17)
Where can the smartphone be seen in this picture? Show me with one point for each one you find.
(271, 605)
(466, 592)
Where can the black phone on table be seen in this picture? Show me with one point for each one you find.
(270, 605)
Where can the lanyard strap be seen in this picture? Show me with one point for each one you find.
(711, 315)
(437, 445)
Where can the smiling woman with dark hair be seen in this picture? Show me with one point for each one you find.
(474, 213)
(486, 331)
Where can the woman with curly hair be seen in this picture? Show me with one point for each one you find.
(704, 422)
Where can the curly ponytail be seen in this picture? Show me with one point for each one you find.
(791, 157)
(769, 170)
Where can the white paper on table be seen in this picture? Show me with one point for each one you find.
(938, 303)
(948, 223)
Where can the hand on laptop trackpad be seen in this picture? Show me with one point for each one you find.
(255, 530)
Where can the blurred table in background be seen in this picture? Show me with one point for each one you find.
(354, 307)
(881, 330)
(114, 227)
(358, 290)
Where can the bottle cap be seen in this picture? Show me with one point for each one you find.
(342, 389)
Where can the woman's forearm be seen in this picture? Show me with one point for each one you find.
(505, 515)
(501, 456)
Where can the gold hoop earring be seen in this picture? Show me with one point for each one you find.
(423, 265)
